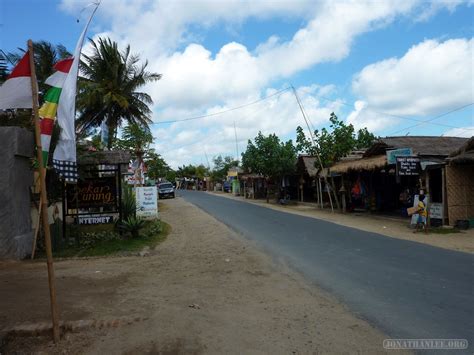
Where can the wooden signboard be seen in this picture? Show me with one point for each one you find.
(408, 166)
(92, 192)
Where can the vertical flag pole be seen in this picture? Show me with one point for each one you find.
(44, 198)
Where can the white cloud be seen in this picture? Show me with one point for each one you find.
(363, 117)
(466, 132)
(215, 135)
(431, 78)
(196, 80)
(419, 82)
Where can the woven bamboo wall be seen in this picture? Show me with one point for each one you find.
(460, 192)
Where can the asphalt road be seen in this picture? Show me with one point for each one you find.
(406, 289)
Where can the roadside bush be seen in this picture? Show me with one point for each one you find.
(129, 205)
(132, 226)
(153, 228)
(90, 239)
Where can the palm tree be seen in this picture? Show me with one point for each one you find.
(108, 88)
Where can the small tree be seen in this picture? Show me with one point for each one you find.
(269, 157)
(332, 145)
(157, 166)
(222, 166)
(136, 138)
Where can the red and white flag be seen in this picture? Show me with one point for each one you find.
(16, 90)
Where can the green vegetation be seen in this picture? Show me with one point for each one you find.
(101, 240)
(222, 166)
(335, 143)
(269, 157)
(132, 226)
(193, 171)
(108, 89)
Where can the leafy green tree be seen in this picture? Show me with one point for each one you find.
(364, 138)
(333, 144)
(222, 166)
(108, 88)
(157, 167)
(136, 138)
(270, 157)
(192, 171)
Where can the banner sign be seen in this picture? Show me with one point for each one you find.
(436, 210)
(392, 154)
(95, 220)
(92, 192)
(134, 180)
(147, 201)
(408, 166)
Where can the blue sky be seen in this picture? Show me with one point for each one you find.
(385, 65)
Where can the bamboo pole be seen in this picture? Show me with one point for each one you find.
(36, 230)
(44, 199)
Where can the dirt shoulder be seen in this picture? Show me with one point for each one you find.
(203, 290)
(391, 227)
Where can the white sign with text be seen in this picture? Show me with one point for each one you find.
(147, 201)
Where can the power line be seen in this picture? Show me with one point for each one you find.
(385, 113)
(225, 111)
(436, 117)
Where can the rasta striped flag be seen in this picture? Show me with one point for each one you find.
(48, 110)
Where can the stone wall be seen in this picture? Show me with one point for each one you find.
(460, 192)
(16, 177)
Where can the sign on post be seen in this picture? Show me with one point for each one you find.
(92, 192)
(436, 210)
(408, 166)
(147, 201)
(402, 152)
(95, 219)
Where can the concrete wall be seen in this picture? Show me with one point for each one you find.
(16, 177)
(460, 192)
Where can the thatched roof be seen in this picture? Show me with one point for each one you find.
(307, 163)
(464, 154)
(369, 163)
(106, 157)
(421, 145)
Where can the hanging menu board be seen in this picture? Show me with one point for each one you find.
(408, 166)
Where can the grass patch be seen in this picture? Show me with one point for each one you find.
(104, 241)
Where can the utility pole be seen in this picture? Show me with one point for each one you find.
(236, 144)
(314, 143)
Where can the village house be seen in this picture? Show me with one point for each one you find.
(460, 185)
(389, 175)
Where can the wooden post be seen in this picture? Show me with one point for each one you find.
(444, 195)
(36, 230)
(44, 199)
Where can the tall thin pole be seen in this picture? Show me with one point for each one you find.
(314, 144)
(236, 145)
(44, 199)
